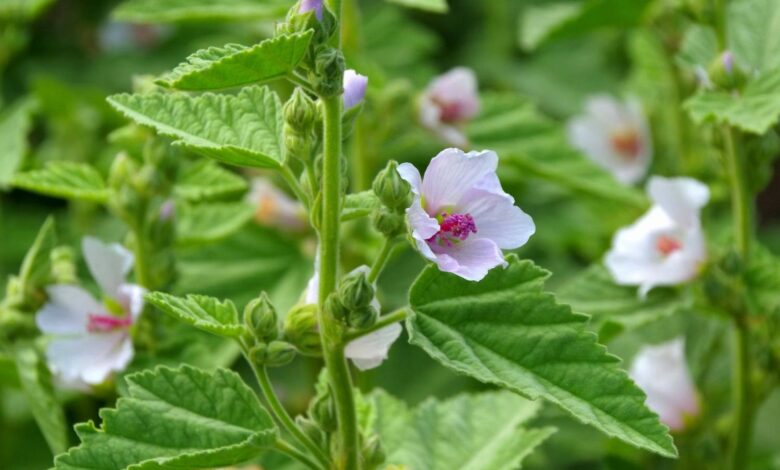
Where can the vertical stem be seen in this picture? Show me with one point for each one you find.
(330, 330)
(381, 259)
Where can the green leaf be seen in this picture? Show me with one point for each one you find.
(243, 129)
(202, 312)
(699, 46)
(15, 124)
(204, 223)
(24, 10)
(36, 265)
(177, 11)
(175, 418)
(207, 180)
(468, 432)
(69, 180)
(435, 6)
(754, 33)
(36, 383)
(762, 277)
(754, 110)
(359, 205)
(507, 331)
(595, 292)
(234, 65)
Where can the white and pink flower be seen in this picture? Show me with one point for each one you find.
(460, 216)
(665, 246)
(615, 136)
(274, 208)
(91, 339)
(354, 88)
(449, 102)
(661, 371)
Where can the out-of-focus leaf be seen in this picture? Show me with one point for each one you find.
(234, 65)
(175, 418)
(203, 312)
(243, 129)
(15, 123)
(68, 180)
(507, 331)
(201, 223)
(207, 180)
(699, 46)
(762, 277)
(754, 33)
(24, 10)
(36, 265)
(359, 205)
(469, 432)
(178, 11)
(754, 110)
(436, 6)
(540, 21)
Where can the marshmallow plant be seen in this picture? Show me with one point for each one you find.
(450, 101)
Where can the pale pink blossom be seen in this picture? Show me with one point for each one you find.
(274, 208)
(354, 88)
(449, 102)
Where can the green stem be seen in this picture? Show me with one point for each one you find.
(330, 330)
(141, 252)
(381, 259)
(385, 320)
(295, 186)
(740, 205)
(287, 449)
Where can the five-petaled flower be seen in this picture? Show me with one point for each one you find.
(368, 351)
(615, 136)
(450, 101)
(354, 88)
(91, 339)
(661, 371)
(666, 245)
(460, 216)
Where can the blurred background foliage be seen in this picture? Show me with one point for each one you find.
(537, 61)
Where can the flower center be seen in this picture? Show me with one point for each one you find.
(453, 228)
(107, 323)
(626, 143)
(451, 111)
(667, 245)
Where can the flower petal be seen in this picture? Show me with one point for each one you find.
(131, 297)
(498, 219)
(354, 88)
(369, 351)
(452, 173)
(90, 358)
(470, 259)
(681, 198)
(108, 263)
(67, 311)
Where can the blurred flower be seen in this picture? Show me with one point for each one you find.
(450, 101)
(309, 5)
(666, 245)
(90, 339)
(615, 136)
(661, 371)
(460, 217)
(116, 37)
(369, 351)
(354, 88)
(274, 207)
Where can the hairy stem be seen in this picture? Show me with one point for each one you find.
(381, 259)
(384, 320)
(295, 186)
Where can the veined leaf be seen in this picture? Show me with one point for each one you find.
(243, 129)
(234, 65)
(435, 6)
(64, 179)
(359, 205)
(755, 110)
(15, 124)
(209, 222)
(202, 312)
(507, 331)
(754, 33)
(207, 180)
(178, 11)
(175, 418)
(468, 432)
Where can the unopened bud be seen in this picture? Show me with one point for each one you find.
(63, 266)
(300, 112)
(310, 15)
(123, 169)
(301, 329)
(335, 308)
(723, 72)
(328, 77)
(392, 190)
(389, 223)
(363, 317)
(355, 291)
(311, 429)
(261, 319)
(373, 453)
(323, 412)
(273, 354)
(731, 263)
(354, 88)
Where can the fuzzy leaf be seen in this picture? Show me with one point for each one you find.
(202, 312)
(699, 46)
(64, 179)
(178, 11)
(204, 223)
(243, 129)
(755, 110)
(234, 65)
(469, 432)
(435, 6)
(359, 205)
(507, 331)
(15, 124)
(754, 33)
(207, 180)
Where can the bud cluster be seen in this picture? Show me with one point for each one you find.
(264, 333)
(395, 195)
(353, 303)
(300, 115)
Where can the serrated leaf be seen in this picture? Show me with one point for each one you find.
(207, 180)
(202, 223)
(15, 124)
(234, 65)
(435, 6)
(38, 389)
(243, 129)
(64, 179)
(359, 205)
(175, 418)
(754, 110)
(178, 11)
(468, 432)
(754, 33)
(202, 312)
(507, 331)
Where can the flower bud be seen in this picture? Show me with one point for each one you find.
(300, 112)
(724, 73)
(731, 263)
(394, 192)
(388, 223)
(301, 329)
(355, 291)
(328, 77)
(273, 354)
(323, 412)
(312, 430)
(261, 319)
(363, 317)
(354, 88)
(63, 267)
(373, 453)
(310, 15)
(335, 308)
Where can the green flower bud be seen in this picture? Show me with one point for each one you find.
(355, 291)
(724, 73)
(301, 329)
(300, 111)
(323, 412)
(731, 263)
(323, 24)
(394, 192)
(273, 354)
(123, 169)
(373, 453)
(389, 223)
(328, 76)
(260, 318)
(312, 430)
(63, 266)
(363, 317)
(335, 308)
